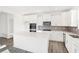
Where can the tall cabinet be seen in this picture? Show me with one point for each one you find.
(78, 17)
(6, 24)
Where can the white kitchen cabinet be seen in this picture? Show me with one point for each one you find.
(71, 44)
(38, 18)
(61, 19)
(30, 17)
(6, 24)
(74, 17)
(70, 18)
(32, 41)
(78, 23)
(34, 19)
(66, 18)
(43, 17)
(77, 50)
(78, 17)
(46, 17)
(56, 36)
(57, 20)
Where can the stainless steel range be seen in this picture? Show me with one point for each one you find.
(47, 26)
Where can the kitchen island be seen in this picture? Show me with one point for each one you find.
(36, 42)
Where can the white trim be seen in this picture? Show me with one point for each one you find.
(6, 35)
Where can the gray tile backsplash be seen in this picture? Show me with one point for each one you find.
(61, 28)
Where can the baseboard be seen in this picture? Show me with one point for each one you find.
(2, 35)
(6, 35)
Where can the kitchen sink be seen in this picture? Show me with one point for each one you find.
(75, 36)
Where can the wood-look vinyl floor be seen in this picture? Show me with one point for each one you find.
(9, 46)
(57, 47)
(5, 41)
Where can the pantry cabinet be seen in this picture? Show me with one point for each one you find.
(6, 24)
(78, 18)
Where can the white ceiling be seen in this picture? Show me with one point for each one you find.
(33, 9)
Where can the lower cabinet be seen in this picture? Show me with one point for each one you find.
(71, 44)
(77, 50)
(57, 36)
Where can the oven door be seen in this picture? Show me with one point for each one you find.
(32, 27)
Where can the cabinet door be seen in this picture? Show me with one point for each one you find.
(78, 18)
(46, 17)
(76, 49)
(69, 43)
(3, 19)
(73, 17)
(57, 36)
(59, 20)
(78, 23)
(71, 46)
(56, 21)
(66, 19)
(10, 24)
(30, 17)
(40, 20)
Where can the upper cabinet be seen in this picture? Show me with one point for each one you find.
(46, 17)
(30, 17)
(74, 18)
(64, 18)
(61, 19)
